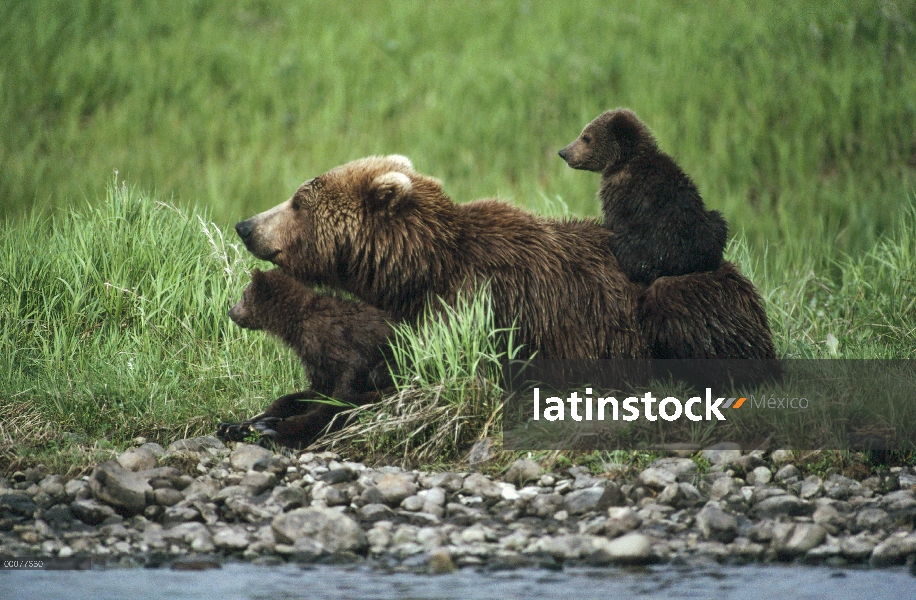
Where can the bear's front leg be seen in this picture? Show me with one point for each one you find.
(283, 407)
(300, 430)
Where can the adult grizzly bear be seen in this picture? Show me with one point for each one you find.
(392, 237)
(344, 347)
(661, 227)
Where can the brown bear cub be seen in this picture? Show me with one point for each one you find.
(343, 345)
(661, 227)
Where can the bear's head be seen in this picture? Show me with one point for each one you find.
(350, 223)
(612, 139)
(259, 301)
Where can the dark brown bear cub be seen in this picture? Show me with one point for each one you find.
(660, 224)
(343, 345)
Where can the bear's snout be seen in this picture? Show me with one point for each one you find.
(244, 229)
(564, 153)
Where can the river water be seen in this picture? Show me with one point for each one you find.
(246, 581)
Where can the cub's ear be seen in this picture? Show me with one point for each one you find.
(630, 133)
(258, 279)
(389, 189)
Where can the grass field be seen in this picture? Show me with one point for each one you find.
(797, 120)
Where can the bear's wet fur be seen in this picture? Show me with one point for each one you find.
(661, 226)
(392, 237)
(716, 315)
(344, 347)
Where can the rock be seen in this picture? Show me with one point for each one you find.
(670, 495)
(802, 538)
(810, 487)
(167, 497)
(337, 476)
(196, 444)
(592, 499)
(722, 453)
(749, 462)
(258, 481)
(153, 447)
(781, 457)
(17, 505)
(59, 517)
(413, 503)
(440, 562)
(113, 484)
(684, 469)
(545, 505)
(253, 509)
(857, 548)
(787, 472)
(872, 519)
(195, 535)
(899, 503)
(394, 488)
(91, 512)
(230, 539)
(784, 505)
(179, 514)
(841, 488)
(717, 525)
(77, 489)
(759, 476)
(621, 520)
(287, 498)
(244, 457)
(375, 512)
(481, 452)
(632, 548)
(522, 471)
(829, 518)
(333, 530)
(656, 478)
(451, 482)
(722, 488)
(138, 459)
(476, 484)
(689, 494)
(53, 486)
(434, 501)
(894, 550)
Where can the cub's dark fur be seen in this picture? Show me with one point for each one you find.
(661, 226)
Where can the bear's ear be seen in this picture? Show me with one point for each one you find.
(629, 132)
(389, 189)
(258, 279)
(401, 161)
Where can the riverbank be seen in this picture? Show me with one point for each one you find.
(200, 502)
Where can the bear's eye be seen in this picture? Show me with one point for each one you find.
(295, 205)
(587, 139)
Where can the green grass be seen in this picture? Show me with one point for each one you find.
(114, 325)
(796, 119)
(448, 374)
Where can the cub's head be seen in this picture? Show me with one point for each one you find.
(612, 139)
(344, 222)
(262, 299)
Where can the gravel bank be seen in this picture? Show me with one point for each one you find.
(199, 500)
